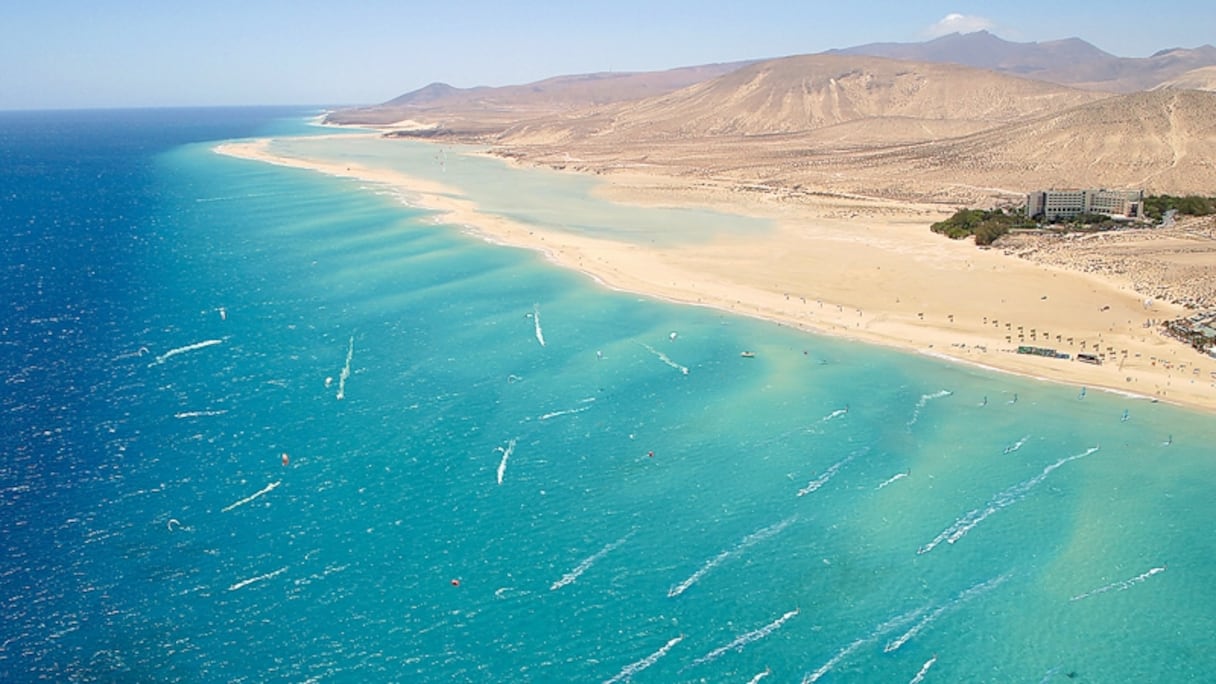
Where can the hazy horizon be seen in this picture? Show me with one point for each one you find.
(75, 55)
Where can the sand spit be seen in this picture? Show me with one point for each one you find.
(860, 268)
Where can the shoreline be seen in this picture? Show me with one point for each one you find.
(865, 270)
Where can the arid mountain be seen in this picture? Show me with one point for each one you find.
(1071, 61)
(809, 92)
(1203, 78)
(477, 110)
(485, 110)
(984, 50)
(1163, 141)
(858, 125)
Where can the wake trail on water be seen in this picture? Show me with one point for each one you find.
(565, 412)
(744, 544)
(1016, 445)
(345, 374)
(828, 474)
(925, 399)
(1122, 585)
(200, 414)
(835, 414)
(587, 562)
(265, 490)
(894, 478)
(967, 595)
(874, 635)
(142, 351)
(630, 670)
(182, 350)
(260, 578)
(665, 358)
(1003, 500)
(744, 639)
(758, 677)
(834, 661)
(540, 334)
(506, 453)
(924, 669)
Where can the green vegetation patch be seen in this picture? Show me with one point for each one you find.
(986, 225)
(1155, 206)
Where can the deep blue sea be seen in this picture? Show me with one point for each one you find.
(263, 425)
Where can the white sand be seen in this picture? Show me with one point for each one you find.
(864, 269)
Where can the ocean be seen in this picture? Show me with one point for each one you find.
(261, 424)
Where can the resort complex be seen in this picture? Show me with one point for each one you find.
(1053, 205)
(1198, 330)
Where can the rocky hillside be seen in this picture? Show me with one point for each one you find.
(799, 94)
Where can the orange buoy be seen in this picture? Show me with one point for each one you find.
(286, 459)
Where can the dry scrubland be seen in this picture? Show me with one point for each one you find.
(1168, 264)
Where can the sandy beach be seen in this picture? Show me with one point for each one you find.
(863, 269)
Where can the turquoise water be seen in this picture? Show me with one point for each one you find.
(479, 506)
(498, 188)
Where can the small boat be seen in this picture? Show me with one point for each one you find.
(748, 354)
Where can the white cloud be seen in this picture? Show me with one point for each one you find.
(958, 23)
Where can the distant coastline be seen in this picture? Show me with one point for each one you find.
(862, 269)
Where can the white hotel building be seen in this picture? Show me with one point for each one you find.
(1053, 205)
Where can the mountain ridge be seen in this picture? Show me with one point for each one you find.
(851, 123)
(1068, 61)
(498, 104)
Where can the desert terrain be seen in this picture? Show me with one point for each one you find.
(853, 157)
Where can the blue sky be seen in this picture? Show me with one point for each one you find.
(129, 53)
